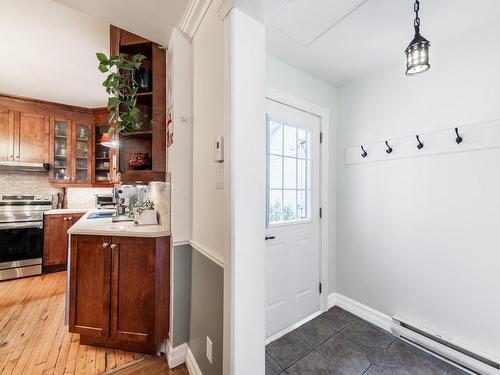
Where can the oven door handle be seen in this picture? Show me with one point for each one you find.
(25, 225)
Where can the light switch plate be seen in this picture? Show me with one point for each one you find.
(209, 350)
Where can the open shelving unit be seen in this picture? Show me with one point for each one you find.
(151, 100)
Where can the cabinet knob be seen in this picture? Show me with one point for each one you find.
(65, 219)
(113, 245)
(105, 244)
(17, 157)
(11, 157)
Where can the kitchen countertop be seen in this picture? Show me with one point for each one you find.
(105, 227)
(62, 211)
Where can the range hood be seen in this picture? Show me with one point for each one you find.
(23, 166)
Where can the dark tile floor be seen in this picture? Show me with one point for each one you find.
(339, 343)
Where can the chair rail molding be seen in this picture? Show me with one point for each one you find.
(210, 254)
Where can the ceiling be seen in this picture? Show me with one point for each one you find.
(338, 41)
(151, 19)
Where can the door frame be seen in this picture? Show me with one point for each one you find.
(324, 117)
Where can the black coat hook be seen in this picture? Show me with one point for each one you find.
(420, 144)
(389, 148)
(364, 154)
(459, 138)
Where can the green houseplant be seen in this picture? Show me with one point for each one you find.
(124, 115)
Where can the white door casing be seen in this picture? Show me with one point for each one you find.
(293, 227)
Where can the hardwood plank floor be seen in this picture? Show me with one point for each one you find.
(34, 339)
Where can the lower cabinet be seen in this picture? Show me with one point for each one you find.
(55, 248)
(119, 291)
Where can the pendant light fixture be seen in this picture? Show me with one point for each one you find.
(417, 53)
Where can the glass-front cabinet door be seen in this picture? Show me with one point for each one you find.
(61, 171)
(71, 143)
(82, 142)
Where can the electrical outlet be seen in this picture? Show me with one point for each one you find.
(209, 350)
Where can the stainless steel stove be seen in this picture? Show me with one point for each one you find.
(21, 234)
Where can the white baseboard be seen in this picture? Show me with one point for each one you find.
(364, 312)
(191, 363)
(176, 356)
(283, 332)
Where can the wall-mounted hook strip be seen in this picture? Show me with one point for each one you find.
(459, 138)
(364, 154)
(420, 144)
(389, 148)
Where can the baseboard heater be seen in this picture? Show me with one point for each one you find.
(469, 360)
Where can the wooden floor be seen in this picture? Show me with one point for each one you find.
(34, 339)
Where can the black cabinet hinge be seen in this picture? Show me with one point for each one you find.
(320, 212)
(320, 137)
(320, 288)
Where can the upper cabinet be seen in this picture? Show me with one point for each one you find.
(104, 157)
(6, 134)
(23, 136)
(31, 138)
(71, 151)
(35, 131)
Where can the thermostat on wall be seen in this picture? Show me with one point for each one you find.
(219, 149)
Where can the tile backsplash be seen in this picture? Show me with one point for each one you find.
(34, 183)
(84, 197)
(27, 183)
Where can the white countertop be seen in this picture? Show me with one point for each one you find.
(62, 211)
(105, 227)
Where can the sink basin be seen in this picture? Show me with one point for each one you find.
(100, 215)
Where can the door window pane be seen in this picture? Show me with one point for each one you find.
(289, 141)
(289, 173)
(275, 172)
(276, 138)
(301, 204)
(289, 205)
(275, 205)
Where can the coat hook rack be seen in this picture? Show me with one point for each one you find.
(459, 138)
(420, 144)
(364, 154)
(389, 148)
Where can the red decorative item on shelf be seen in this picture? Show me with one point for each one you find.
(140, 160)
(106, 137)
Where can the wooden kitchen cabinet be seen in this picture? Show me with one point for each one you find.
(31, 138)
(90, 286)
(55, 249)
(71, 151)
(6, 134)
(24, 136)
(119, 291)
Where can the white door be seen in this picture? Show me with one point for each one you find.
(293, 230)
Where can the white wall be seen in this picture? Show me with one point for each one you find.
(419, 237)
(48, 52)
(301, 85)
(209, 204)
(180, 153)
(245, 274)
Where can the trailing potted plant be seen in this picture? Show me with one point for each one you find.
(124, 114)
